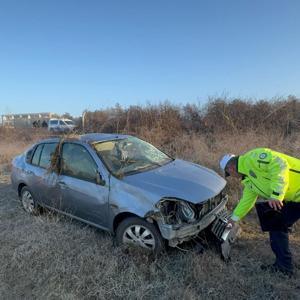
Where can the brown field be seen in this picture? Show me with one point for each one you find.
(53, 257)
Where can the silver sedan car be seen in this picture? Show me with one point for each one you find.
(124, 185)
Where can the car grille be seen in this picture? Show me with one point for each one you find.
(207, 206)
(220, 223)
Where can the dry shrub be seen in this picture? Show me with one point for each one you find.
(164, 118)
(281, 115)
(219, 115)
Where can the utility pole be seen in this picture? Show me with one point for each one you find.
(83, 121)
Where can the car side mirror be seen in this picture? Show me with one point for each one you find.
(99, 179)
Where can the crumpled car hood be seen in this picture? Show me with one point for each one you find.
(179, 179)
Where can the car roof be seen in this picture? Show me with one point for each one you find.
(88, 138)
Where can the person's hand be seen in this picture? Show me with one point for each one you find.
(230, 224)
(275, 204)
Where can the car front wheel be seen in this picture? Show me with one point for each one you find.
(138, 232)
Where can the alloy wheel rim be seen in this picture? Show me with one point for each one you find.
(27, 201)
(140, 236)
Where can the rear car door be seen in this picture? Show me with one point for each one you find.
(81, 195)
(44, 180)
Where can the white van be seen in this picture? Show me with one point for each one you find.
(61, 125)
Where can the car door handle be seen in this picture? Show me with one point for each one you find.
(62, 183)
(28, 172)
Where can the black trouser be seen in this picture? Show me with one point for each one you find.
(278, 224)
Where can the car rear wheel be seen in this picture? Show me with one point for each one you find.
(28, 202)
(140, 233)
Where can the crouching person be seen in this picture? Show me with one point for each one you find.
(274, 178)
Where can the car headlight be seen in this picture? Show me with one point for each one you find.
(187, 212)
(176, 211)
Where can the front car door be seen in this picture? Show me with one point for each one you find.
(81, 195)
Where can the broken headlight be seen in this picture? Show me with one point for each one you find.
(176, 211)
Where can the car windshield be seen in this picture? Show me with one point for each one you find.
(129, 156)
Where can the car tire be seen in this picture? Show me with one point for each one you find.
(138, 232)
(28, 202)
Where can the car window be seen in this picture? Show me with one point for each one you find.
(37, 154)
(61, 122)
(53, 122)
(77, 162)
(29, 154)
(48, 151)
(69, 122)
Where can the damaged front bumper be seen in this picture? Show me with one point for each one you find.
(217, 218)
(225, 236)
(178, 233)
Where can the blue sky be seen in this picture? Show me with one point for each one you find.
(67, 56)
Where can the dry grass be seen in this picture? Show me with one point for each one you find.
(14, 142)
(52, 257)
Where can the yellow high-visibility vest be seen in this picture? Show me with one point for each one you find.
(267, 174)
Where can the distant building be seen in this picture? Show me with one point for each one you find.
(25, 120)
